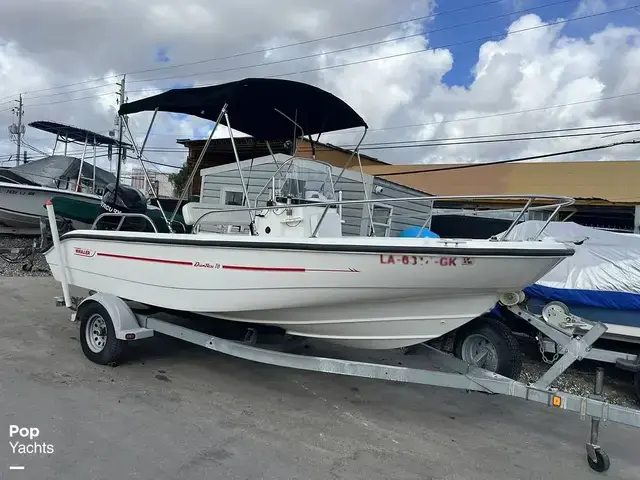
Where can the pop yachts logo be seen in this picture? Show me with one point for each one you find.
(24, 441)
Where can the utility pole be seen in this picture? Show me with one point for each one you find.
(18, 130)
(121, 121)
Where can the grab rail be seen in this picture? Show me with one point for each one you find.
(557, 202)
(123, 216)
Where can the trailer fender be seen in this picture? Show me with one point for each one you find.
(125, 322)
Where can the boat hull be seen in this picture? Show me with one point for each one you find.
(363, 292)
(22, 206)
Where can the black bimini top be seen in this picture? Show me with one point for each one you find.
(253, 104)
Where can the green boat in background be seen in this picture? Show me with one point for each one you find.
(82, 214)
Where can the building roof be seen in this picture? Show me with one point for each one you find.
(595, 181)
(259, 147)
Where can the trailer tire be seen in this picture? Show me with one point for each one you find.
(97, 335)
(490, 333)
(602, 462)
(636, 384)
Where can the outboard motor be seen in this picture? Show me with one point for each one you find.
(129, 200)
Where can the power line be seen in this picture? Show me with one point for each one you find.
(501, 114)
(477, 142)
(380, 42)
(410, 53)
(489, 37)
(514, 136)
(345, 49)
(73, 91)
(489, 135)
(266, 50)
(173, 77)
(70, 100)
(454, 141)
(512, 160)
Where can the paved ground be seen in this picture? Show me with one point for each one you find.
(180, 412)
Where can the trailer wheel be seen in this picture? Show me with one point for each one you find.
(636, 383)
(489, 335)
(602, 462)
(97, 335)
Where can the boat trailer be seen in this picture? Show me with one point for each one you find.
(108, 323)
(559, 331)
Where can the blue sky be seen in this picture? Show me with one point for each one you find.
(464, 41)
(465, 55)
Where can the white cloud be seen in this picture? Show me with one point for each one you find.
(72, 41)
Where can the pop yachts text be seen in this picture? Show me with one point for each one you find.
(35, 448)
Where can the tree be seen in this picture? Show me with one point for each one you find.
(179, 179)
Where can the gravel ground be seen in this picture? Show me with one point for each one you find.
(578, 379)
(11, 263)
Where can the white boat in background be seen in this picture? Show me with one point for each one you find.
(295, 270)
(22, 206)
(24, 189)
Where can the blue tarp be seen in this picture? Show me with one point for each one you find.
(603, 273)
(587, 298)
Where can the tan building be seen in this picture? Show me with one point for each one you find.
(606, 192)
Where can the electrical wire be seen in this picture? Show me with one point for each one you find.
(483, 38)
(512, 160)
(448, 121)
(477, 142)
(509, 134)
(270, 49)
(364, 45)
(450, 141)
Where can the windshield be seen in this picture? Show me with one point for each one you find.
(306, 179)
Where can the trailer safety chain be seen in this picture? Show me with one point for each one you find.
(556, 354)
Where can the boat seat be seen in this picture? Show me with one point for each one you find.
(192, 211)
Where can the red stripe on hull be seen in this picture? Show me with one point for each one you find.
(286, 269)
(264, 269)
(337, 270)
(145, 259)
(227, 267)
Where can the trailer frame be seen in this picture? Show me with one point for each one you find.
(127, 321)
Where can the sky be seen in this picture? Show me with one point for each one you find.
(438, 71)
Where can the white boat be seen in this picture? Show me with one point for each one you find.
(295, 271)
(24, 189)
(22, 206)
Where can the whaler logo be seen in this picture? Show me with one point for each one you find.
(83, 252)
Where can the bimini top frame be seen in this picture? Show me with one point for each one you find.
(68, 134)
(264, 108)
